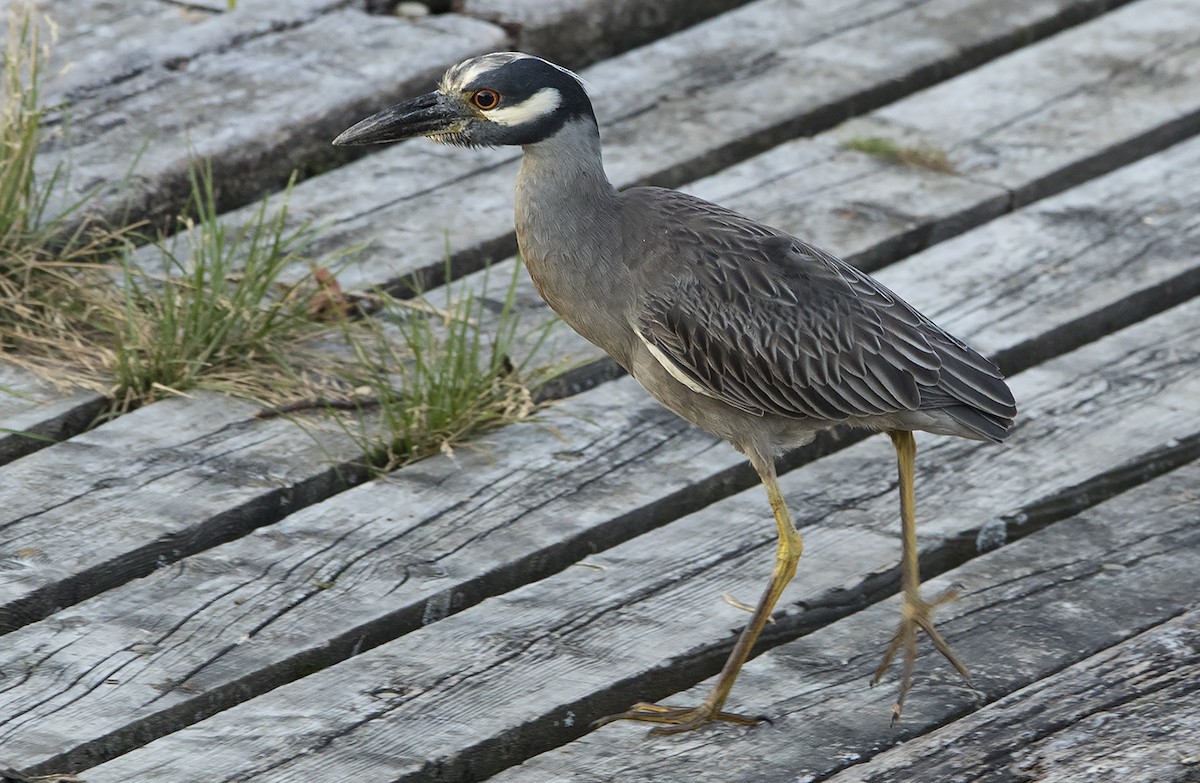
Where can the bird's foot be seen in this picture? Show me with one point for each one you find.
(676, 720)
(918, 614)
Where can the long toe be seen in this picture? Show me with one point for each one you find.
(676, 720)
(918, 615)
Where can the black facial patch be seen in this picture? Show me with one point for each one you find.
(523, 78)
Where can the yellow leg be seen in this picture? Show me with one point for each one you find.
(917, 613)
(679, 719)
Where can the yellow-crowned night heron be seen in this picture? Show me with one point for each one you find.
(737, 327)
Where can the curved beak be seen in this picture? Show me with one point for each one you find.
(430, 113)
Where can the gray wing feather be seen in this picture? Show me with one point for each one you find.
(770, 324)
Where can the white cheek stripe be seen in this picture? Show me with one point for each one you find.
(541, 104)
(673, 369)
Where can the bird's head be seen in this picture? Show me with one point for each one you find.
(492, 100)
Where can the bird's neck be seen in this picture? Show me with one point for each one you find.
(568, 229)
(567, 165)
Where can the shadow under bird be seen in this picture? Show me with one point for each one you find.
(742, 329)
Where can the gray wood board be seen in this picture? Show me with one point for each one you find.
(1147, 62)
(418, 202)
(34, 414)
(258, 107)
(1042, 615)
(1130, 713)
(116, 502)
(576, 33)
(519, 673)
(1040, 120)
(96, 44)
(373, 562)
(530, 515)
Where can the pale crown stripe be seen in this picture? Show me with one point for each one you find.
(477, 67)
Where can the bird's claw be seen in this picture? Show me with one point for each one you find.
(676, 720)
(918, 614)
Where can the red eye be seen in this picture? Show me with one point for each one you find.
(485, 99)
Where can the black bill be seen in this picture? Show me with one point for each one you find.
(429, 113)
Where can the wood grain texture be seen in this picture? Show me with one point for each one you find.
(1130, 713)
(33, 414)
(264, 102)
(575, 33)
(519, 673)
(1024, 126)
(138, 493)
(1079, 615)
(96, 44)
(1138, 65)
(328, 581)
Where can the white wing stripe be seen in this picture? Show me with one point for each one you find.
(673, 369)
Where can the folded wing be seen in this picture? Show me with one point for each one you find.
(769, 324)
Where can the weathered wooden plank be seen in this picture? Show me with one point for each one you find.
(541, 498)
(138, 493)
(1148, 63)
(131, 73)
(857, 205)
(33, 414)
(1064, 595)
(576, 33)
(98, 43)
(424, 202)
(1076, 105)
(1131, 712)
(519, 673)
(1145, 250)
(258, 108)
(381, 558)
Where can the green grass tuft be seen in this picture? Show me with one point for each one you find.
(917, 156)
(436, 376)
(216, 314)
